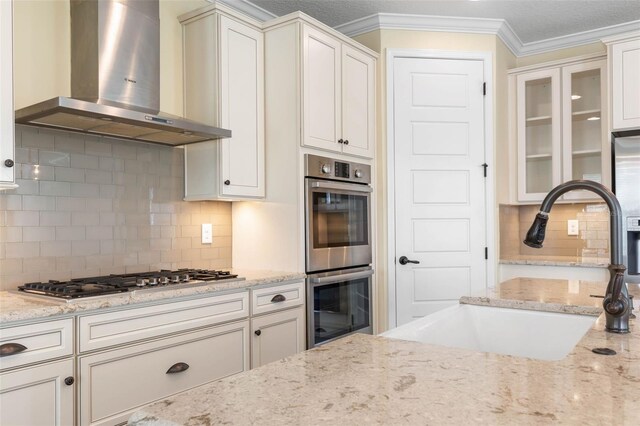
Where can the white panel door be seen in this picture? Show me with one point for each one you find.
(277, 335)
(625, 84)
(242, 104)
(321, 90)
(358, 103)
(440, 216)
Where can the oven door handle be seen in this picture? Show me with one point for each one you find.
(342, 186)
(341, 277)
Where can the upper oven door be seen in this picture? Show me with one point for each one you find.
(338, 222)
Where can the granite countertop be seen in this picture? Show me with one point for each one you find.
(15, 306)
(586, 262)
(364, 379)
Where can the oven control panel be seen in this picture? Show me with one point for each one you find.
(330, 168)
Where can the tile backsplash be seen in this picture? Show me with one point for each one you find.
(591, 243)
(90, 206)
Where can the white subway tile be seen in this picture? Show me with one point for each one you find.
(38, 202)
(98, 176)
(84, 189)
(70, 233)
(85, 248)
(97, 147)
(27, 187)
(32, 138)
(39, 233)
(55, 219)
(11, 234)
(68, 174)
(22, 251)
(10, 201)
(51, 158)
(99, 232)
(69, 142)
(22, 218)
(55, 188)
(26, 155)
(82, 161)
(70, 204)
(85, 219)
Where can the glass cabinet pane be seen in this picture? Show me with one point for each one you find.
(539, 141)
(586, 125)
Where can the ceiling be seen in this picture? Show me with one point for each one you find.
(532, 21)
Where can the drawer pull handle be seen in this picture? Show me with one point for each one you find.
(278, 298)
(11, 349)
(178, 367)
(69, 381)
(258, 332)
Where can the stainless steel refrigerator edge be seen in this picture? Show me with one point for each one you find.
(626, 186)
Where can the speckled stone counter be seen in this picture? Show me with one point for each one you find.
(15, 306)
(585, 262)
(567, 296)
(365, 379)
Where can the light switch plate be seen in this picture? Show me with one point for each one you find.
(207, 233)
(573, 227)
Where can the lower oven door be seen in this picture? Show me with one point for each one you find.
(338, 228)
(338, 303)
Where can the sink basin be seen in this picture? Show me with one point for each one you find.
(547, 336)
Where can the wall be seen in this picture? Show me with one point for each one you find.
(380, 41)
(42, 56)
(90, 206)
(592, 243)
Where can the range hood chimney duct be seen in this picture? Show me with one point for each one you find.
(115, 78)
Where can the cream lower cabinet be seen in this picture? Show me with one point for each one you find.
(339, 95)
(224, 86)
(278, 335)
(38, 395)
(117, 382)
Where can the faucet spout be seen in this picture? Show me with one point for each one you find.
(616, 301)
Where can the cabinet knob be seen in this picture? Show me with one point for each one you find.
(11, 349)
(346, 141)
(227, 182)
(9, 162)
(340, 141)
(257, 332)
(178, 367)
(69, 381)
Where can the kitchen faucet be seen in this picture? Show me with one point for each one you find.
(616, 299)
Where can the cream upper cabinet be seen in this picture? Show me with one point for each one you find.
(7, 144)
(624, 63)
(224, 86)
(338, 95)
(561, 127)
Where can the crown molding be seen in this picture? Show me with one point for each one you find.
(248, 8)
(499, 27)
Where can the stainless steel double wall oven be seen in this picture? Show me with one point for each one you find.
(338, 248)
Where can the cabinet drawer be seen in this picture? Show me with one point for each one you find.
(41, 341)
(120, 327)
(275, 298)
(117, 382)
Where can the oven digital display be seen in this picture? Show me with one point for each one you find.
(341, 170)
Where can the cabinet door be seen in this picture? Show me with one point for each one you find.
(242, 109)
(584, 126)
(277, 335)
(115, 383)
(358, 103)
(625, 87)
(6, 96)
(321, 90)
(37, 395)
(538, 124)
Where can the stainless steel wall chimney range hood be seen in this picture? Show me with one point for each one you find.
(115, 78)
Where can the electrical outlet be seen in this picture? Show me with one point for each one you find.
(573, 227)
(207, 233)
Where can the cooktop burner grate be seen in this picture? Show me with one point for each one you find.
(112, 284)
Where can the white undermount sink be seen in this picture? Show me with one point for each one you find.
(547, 336)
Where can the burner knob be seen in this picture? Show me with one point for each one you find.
(175, 278)
(141, 282)
(153, 281)
(357, 173)
(164, 280)
(184, 277)
(325, 169)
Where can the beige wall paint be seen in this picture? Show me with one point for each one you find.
(380, 41)
(42, 54)
(559, 54)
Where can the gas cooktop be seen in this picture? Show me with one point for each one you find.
(112, 284)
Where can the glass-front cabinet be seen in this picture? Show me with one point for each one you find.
(584, 131)
(561, 128)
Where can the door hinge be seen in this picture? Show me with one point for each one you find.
(484, 89)
(485, 166)
(486, 253)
